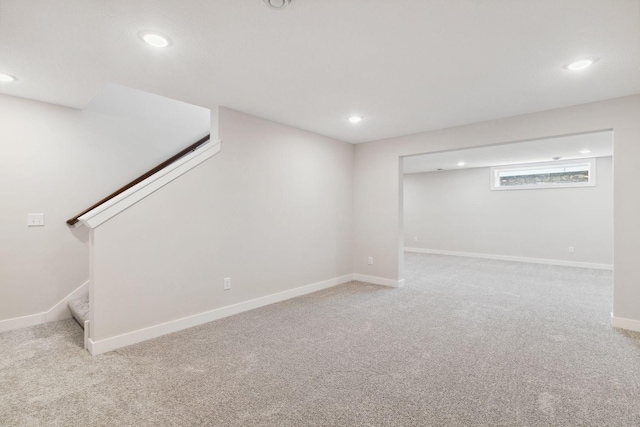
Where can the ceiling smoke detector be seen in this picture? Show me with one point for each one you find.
(277, 4)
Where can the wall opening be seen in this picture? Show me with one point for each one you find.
(449, 206)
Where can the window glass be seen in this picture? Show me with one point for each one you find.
(544, 175)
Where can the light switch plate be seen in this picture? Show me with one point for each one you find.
(35, 220)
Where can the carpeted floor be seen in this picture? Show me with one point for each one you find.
(468, 342)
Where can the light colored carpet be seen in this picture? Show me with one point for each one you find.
(468, 342)
(80, 309)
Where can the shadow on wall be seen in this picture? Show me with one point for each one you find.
(80, 233)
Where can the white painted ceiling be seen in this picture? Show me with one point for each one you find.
(600, 144)
(405, 65)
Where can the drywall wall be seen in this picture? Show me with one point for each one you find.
(272, 211)
(457, 211)
(378, 189)
(58, 161)
(169, 122)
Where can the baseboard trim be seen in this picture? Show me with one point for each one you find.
(57, 312)
(378, 280)
(622, 323)
(96, 347)
(60, 311)
(514, 258)
(21, 322)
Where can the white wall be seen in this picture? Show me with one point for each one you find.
(456, 211)
(378, 179)
(172, 124)
(58, 161)
(272, 210)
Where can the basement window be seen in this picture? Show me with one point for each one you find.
(559, 174)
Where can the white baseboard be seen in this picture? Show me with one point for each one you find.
(60, 311)
(57, 312)
(514, 258)
(96, 347)
(378, 280)
(21, 322)
(622, 323)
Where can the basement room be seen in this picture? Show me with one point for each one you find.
(319, 213)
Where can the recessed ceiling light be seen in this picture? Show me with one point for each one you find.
(587, 151)
(6, 78)
(355, 119)
(461, 163)
(580, 65)
(155, 39)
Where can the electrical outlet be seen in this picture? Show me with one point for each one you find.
(571, 250)
(370, 260)
(415, 239)
(227, 283)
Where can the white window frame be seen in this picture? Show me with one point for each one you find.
(495, 170)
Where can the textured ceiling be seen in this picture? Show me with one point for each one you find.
(405, 65)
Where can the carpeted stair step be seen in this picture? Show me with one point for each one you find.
(79, 309)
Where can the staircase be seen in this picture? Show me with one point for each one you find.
(79, 309)
(127, 196)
